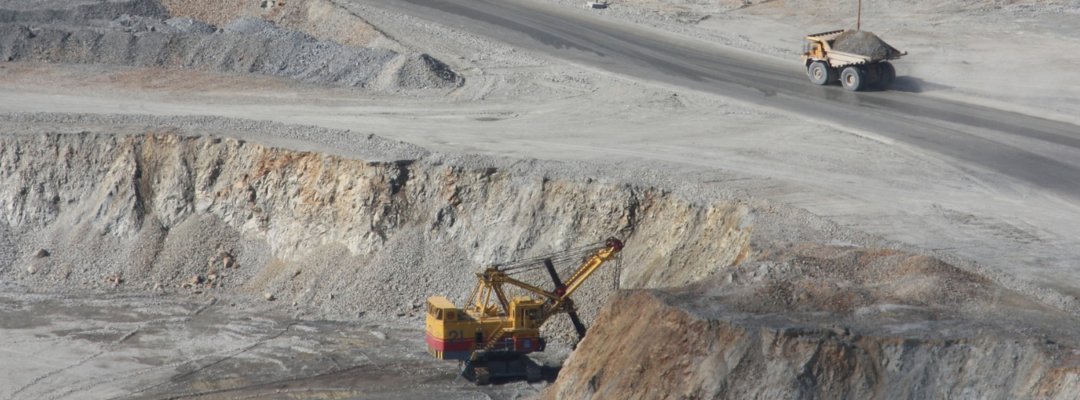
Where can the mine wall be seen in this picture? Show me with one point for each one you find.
(710, 298)
(642, 347)
(341, 236)
(338, 236)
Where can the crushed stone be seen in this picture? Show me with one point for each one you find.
(188, 25)
(140, 33)
(865, 44)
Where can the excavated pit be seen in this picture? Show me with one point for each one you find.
(148, 257)
(719, 298)
(340, 235)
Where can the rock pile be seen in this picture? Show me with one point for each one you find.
(139, 33)
(646, 342)
(865, 44)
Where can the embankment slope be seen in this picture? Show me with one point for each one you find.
(827, 322)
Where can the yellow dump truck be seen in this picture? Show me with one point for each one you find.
(859, 60)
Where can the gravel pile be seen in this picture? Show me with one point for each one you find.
(865, 44)
(261, 27)
(421, 71)
(77, 11)
(188, 25)
(140, 34)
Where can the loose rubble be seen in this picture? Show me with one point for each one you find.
(863, 43)
(140, 34)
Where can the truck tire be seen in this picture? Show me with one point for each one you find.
(820, 73)
(853, 78)
(887, 73)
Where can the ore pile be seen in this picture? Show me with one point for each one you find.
(864, 43)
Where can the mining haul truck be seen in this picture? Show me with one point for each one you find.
(858, 59)
(492, 334)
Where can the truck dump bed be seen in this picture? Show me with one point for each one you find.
(854, 47)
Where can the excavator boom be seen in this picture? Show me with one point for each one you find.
(611, 248)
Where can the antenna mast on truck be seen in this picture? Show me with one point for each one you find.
(858, 18)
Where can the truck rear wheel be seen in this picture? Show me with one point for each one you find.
(820, 73)
(852, 78)
(887, 74)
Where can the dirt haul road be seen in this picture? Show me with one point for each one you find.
(953, 129)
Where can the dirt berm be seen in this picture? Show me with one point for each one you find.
(826, 322)
(139, 33)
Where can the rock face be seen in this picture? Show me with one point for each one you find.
(161, 208)
(642, 347)
(717, 313)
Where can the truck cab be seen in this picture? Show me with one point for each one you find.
(813, 50)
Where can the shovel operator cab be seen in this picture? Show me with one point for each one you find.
(493, 332)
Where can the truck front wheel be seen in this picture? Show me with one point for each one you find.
(852, 78)
(820, 73)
